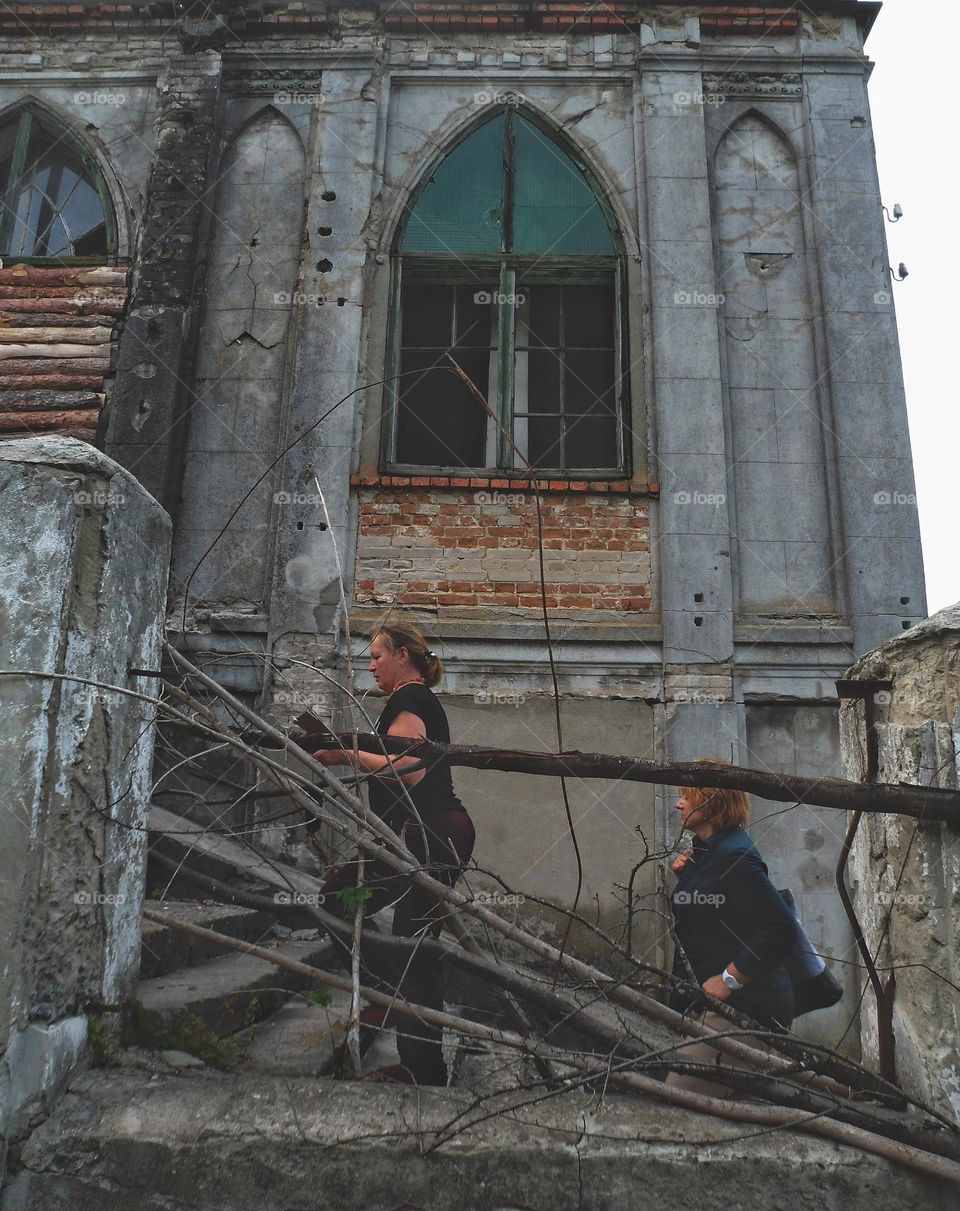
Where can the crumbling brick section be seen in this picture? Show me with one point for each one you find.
(464, 549)
(510, 18)
(738, 19)
(57, 330)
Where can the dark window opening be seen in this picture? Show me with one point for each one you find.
(54, 203)
(508, 267)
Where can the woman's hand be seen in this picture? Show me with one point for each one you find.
(681, 860)
(332, 756)
(715, 987)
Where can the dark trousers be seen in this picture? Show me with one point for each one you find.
(417, 914)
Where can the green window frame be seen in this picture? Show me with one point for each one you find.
(54, 197)
(509, 261)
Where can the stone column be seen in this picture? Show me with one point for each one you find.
(153, 394)
(84, 555)
(882, 558)
(699, 717)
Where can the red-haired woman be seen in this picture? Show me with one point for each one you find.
(405, 669)
(733, 925)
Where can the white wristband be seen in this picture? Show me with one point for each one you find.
(731, 981)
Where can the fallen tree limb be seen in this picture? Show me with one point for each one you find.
(919, 802)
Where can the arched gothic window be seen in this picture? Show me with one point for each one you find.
(507, 262)
(55, 204)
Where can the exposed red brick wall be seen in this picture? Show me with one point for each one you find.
(57, 328)
(540, 15)
(464, 549)
(749, 19)
(294, 17)
(543, 15)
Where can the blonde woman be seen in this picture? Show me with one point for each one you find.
(406, 669)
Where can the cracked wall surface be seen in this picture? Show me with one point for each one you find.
(82, 583)
(906, 875)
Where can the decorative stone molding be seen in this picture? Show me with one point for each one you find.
(755, 85)
(242, 78)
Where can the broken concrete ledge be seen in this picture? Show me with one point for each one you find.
(203, 1141)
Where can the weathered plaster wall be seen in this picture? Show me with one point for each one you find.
(522, 829)
(253, 266)
(82, 584)
(905, 876)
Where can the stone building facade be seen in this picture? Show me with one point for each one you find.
(651, 236)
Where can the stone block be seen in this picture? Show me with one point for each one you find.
(82, 595)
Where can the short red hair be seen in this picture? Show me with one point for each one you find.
(725, 807)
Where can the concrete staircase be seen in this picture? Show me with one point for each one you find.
(234, 1107)
(201, 1140)
(211, 1001)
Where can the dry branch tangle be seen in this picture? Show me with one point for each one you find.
(363, 828)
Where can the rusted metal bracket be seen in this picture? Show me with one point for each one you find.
(848, 690)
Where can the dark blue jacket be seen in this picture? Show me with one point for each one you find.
(727, 911)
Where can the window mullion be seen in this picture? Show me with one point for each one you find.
(618, 369)
(562, 356)
(17, 165)
(506, 341)
(394, 361)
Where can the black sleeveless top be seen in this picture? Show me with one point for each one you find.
(434, 792)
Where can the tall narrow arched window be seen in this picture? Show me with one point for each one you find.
(55, 204)
(507, 264)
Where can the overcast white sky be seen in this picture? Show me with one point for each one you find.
(913, 102)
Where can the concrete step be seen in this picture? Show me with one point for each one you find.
(165, 950)
(191, 1008)
(301, 1039)
(207, 1141)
